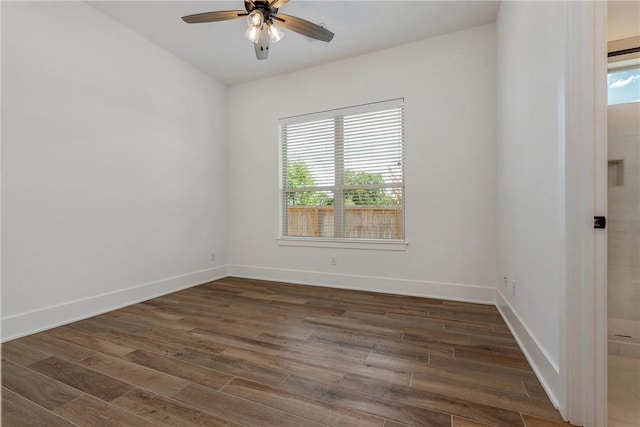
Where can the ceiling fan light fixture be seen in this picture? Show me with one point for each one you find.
(253, 34)
(255, 19)
(261, 19)
(275, 32)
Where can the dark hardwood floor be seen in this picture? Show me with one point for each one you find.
(239, 352)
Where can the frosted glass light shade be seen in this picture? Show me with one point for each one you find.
(275, 33)
(253, 34)
(255, 19)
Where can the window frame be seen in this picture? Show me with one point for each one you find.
(623, 55)
(338, 188)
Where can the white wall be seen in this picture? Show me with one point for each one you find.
(449, 88)
(531, 208)
(114, 167)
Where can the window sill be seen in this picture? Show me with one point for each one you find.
(376, 245)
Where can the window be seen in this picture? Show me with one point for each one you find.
(623, 85)
(343, 174)
(623, 80)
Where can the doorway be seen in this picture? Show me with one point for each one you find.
(623, 193)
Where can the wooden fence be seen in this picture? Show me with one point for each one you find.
(360, 222)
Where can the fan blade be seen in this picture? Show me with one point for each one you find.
(304, 27)
(278, 3)
(262, 47)
(223, 15)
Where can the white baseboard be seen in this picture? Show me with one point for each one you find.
(418, 288)
(50, 317)
(543, 365)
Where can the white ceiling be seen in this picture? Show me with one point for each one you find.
(221, 50)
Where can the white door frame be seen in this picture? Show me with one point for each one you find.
(584, 328)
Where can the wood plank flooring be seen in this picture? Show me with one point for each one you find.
(238, 352)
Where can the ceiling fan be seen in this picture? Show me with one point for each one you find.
(264, 23)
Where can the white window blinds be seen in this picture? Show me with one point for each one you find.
(343, 173)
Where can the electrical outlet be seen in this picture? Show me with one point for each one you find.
(213, 257)
(513, 287)
(506, 281)
(334, 260)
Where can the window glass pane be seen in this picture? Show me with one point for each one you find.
(369, 196)
(373, 157)
(309, 154)
(373, 145)
(310, 214)
(624, 86)
(309, 198)
(373, 222)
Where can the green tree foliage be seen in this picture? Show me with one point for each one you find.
(368, 196)
(299, 176)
